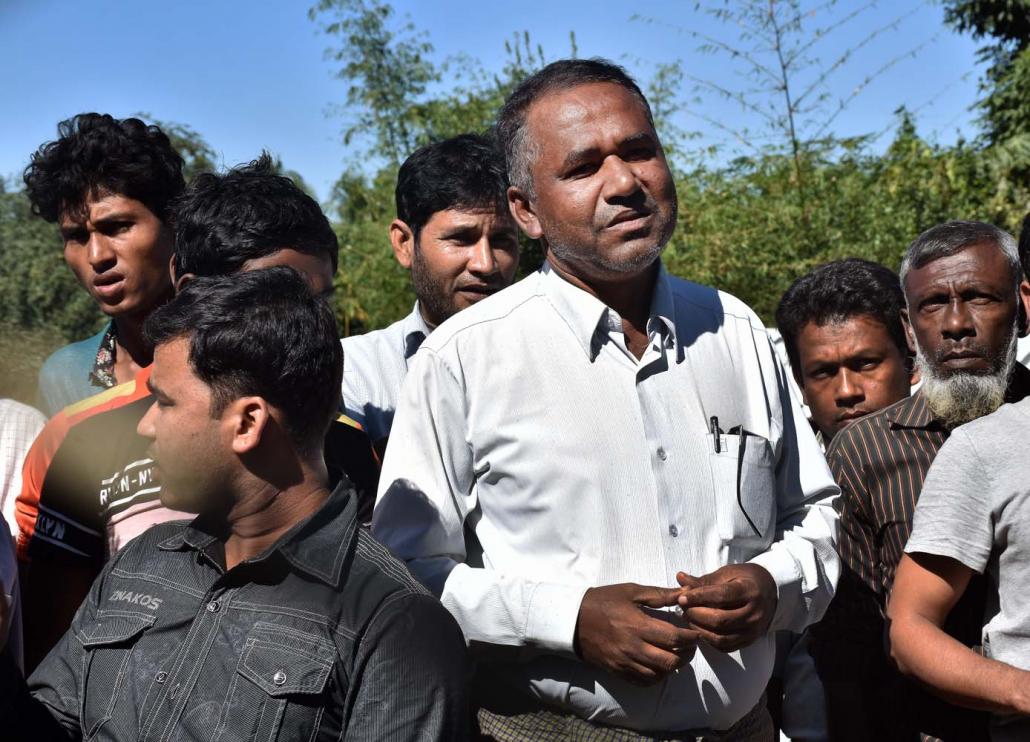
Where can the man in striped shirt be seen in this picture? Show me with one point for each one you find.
(961, 290)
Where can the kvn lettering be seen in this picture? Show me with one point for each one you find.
(127, 596)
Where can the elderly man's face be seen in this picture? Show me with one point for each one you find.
(961, 314)
(604, 198)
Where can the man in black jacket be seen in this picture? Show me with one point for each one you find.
(272, 615)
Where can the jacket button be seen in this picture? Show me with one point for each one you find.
(212, 607)
(279, 678)
(162, 676)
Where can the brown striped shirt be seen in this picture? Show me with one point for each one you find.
(880, 462)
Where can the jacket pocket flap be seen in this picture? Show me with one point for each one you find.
(113, 629)
(281, 670)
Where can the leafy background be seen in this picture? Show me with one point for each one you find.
(792, 196)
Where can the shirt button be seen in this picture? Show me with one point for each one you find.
(279, 678)
(212, 607)
(674, 531)
(662, 454)
(162, 676)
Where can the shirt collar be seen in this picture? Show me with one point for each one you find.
(913, 412)
(414, 331)
(588, 317)
(317, 546)
(102, 373)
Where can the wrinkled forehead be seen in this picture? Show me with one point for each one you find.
(558, 118)
(980, 265)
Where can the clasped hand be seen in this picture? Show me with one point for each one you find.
(622, 628)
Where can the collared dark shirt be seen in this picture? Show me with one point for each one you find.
(880, 462)
(324, 637)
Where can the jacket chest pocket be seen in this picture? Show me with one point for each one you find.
(279, 689)
(744, 483)
(108, 645)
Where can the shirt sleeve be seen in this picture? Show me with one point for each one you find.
(413, 655)
(426, 492)
(37, 461)
(953, 515)
(803, 559)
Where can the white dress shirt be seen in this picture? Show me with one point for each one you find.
(526, 420)
(374, 366)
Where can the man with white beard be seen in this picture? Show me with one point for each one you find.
(963, 317)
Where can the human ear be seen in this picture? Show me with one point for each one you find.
(1024, 308)
(402, 239)
(522, 211)
(910, 337)
(247, 418)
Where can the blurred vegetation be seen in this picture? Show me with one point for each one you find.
(795, 198)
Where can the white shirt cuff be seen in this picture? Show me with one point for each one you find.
(552, 615)
(784, 570)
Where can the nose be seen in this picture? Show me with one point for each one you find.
(145, 427)
(99, 253)
(957, 321)
(849, 388)
(481, 260)
(620, 181)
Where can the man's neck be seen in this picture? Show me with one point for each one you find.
(628, 294)
(262, 516)
(131, 351)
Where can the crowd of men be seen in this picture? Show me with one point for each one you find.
(585, 505)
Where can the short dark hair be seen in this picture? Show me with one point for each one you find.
(949, 238)
(561, 75)
(836, 292)
(264, 333)
(223, 221)
(464, 172)
(96, 153)
(1024, 247)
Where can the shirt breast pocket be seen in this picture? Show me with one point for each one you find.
(744, 483)
(278, 690)
(108, 644)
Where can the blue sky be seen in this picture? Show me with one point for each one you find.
(251, 75)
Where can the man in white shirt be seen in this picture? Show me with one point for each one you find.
(580, 455)
(454, 233)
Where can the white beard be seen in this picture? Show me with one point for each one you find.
(962, 397)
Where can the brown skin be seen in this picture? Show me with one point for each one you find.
(603, 199)
(926, 588)
(961, 309)
(238, 464)
(849, 369)
(119, 252)
(604, 203)
(50, 611)
(460, 257)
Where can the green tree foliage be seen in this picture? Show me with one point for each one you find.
(1005, 26)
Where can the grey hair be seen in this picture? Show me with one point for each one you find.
(511, 131)
(950, 238)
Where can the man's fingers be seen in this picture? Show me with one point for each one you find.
(724, 595)
(667, 636)
(658, 597)
(719, 621)
(659, 660)
(724, 642)
(686, 580)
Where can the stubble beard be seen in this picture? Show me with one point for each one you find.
(435, 303)
(962, 397)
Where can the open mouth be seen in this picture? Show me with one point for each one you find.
(108, 284)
